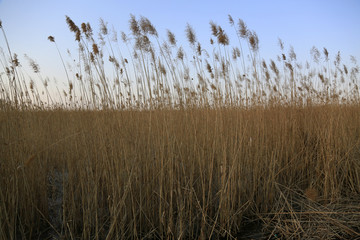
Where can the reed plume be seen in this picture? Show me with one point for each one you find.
(151, 139)
(190, 34)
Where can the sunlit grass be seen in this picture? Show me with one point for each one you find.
(166, 143)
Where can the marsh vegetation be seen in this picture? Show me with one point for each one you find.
(164, 142)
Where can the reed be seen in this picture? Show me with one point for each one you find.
(177, 141)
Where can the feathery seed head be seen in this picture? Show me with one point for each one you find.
(123, 37)
(315, 54)
(83, 27)
(264, 64)
(224, 67)
(95, 49)
(114, 37)
(208, 67)
(81, 47)
(72, 25)
(243, 31)
(77, 36)
(219, 33)
(214, 29)
(254, 41)
(198, 49)
(237, 52)
(281, 44)
(222, 37)
(134, 26)
(231, 20)
(274, 68)
(89, 30)
(171, 38)
(15, 60)
(292, 53)
(234, 56)
(338, 58)
(267, 76)
(289, 66)
(73, 28)
(326, 54)
(143, 42)
(147, 27)
(103, 27)
(31, 85)
(33, 64)
(135, 55)
(180, 54)
(162, 68)
(152, 53)
(190, 34)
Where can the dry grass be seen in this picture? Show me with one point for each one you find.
(273, 155)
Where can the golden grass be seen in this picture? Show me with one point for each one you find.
(181, 172)
(267, 155)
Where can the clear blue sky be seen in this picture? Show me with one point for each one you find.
(302, 24)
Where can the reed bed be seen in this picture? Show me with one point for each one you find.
(160, 142)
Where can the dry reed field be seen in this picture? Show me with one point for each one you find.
(165, 143)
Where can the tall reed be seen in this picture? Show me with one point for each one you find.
(152, 139)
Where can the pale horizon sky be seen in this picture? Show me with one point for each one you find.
(302, 24)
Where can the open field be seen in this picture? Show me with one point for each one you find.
(256, 149)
